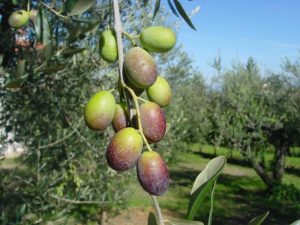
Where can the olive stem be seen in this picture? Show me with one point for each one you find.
(119, 31)
(55, 12)
(138, 115)
(111, 90)
(28, 6)
(129, 37)
(141, 99)
(158, 211)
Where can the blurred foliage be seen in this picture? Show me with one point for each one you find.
(44, 87)
(255, 113)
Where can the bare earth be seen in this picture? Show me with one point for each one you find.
(134, 217)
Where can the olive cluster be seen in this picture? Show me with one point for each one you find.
(136, 125)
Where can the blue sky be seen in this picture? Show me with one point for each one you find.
(267, 30)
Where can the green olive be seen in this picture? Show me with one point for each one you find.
(158, 39)
(18, 19)
(108, 46)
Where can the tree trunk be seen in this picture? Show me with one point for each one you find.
(281, 149)
(259, 169)
(262, 172)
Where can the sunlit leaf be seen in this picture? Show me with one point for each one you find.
(156, 8)
(212, 198)
(183, 14)
(152, 219)
(204, 184)
(297, 222)
(182, 222)
(259, 219)
(76, 7)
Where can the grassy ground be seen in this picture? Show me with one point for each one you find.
(239, 194)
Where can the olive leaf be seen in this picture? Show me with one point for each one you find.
(259, 219)
(182, 222)
(72, 51)
(297, 222)
(51, 69)
(156, 8)
(172, 8)
(42, 28)
(152, 219)
(204, 184)
(76, 7)
(183, 14)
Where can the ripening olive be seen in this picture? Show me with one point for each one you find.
(153, 173)
(153, 121)
(140, 67)
(124, 149)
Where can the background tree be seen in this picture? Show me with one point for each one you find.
(258, 113)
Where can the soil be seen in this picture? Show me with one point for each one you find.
(135, 217)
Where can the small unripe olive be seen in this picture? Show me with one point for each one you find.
(18, 19)
(100, 110)
(158, 39)
(160, 92)
(108, 46)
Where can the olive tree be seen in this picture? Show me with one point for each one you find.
(258, 112)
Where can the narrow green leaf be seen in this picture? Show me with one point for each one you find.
(212, 198)
(51, 69)
(76, 7)
(204, 184)
(297, 222)
(72, 51)
(259, 219)
(15, 84)
(156, 8)
(152, 219)
(172, 8)
(90, 21)
(42, 28)
(1, 59)
(182, 222)
(183, 14)
(145, 2)
(20, 68)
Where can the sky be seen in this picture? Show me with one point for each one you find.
(267, 30)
